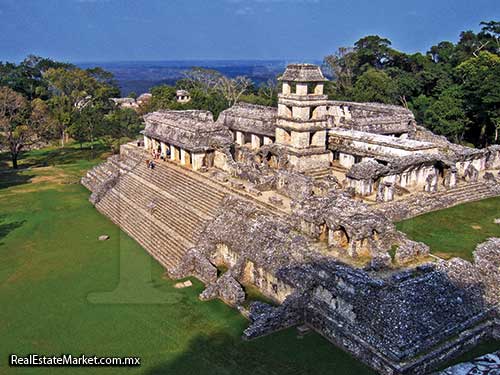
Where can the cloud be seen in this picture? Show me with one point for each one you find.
(244, 11)
(247, 7)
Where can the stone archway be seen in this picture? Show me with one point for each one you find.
(339, 238)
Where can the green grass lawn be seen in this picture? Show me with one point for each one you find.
(456, 231)
(63, 291)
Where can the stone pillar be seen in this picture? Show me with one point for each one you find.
(174, 153)
(319, 139)
(146, 143)
(431, 185)
(385, 192)
(346, 160)
(287, 90)
(197, 161)
(301, 139)
(450, 179)
(255, 142)
(163, 149)
(284, 111)
(471, 174)
(267, 140)
(318, 89)
(301, 88)
(240, 138)
(183, 157)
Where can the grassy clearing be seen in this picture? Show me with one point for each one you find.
(456, 231)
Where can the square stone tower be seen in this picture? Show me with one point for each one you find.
(301, 126)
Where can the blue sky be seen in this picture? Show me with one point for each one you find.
(118, 30)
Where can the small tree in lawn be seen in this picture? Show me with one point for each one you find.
(87, 125)
(15, 132)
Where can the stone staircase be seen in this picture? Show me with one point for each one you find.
(100, 173)
(319, 174)
(163, 209)
(421, 203)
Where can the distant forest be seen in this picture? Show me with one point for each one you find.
(453, 89)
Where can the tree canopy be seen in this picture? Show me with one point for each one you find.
(43, 100)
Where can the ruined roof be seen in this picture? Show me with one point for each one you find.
(368, 169)
(182, 93)
(339, 210)
(267, 240)
(372, 169)
(303, 73)
(403, 314)
(383, 140)
(452, 151)
(192, 130)
(400, 164)
(250, 118)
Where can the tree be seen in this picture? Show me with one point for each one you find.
(121, 125)
(443, 52)
(269, 92)
(87, 125)
(372, 51)
(27, 77)
(41, 120)
(342, 64)
(200, 78)
(446, 116)
(233, 88)
(163, 97)
(15, 133)
(75, 89)
(480, 83)
(375, 86)
(419, 106)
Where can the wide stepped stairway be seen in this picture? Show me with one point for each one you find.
(164, 209)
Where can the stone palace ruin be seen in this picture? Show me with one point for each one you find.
(299, 201)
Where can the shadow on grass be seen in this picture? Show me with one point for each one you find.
(221, 354)
(46, 157)
(14, 177)
(61, 156)
(6, 228)
(279, 354)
